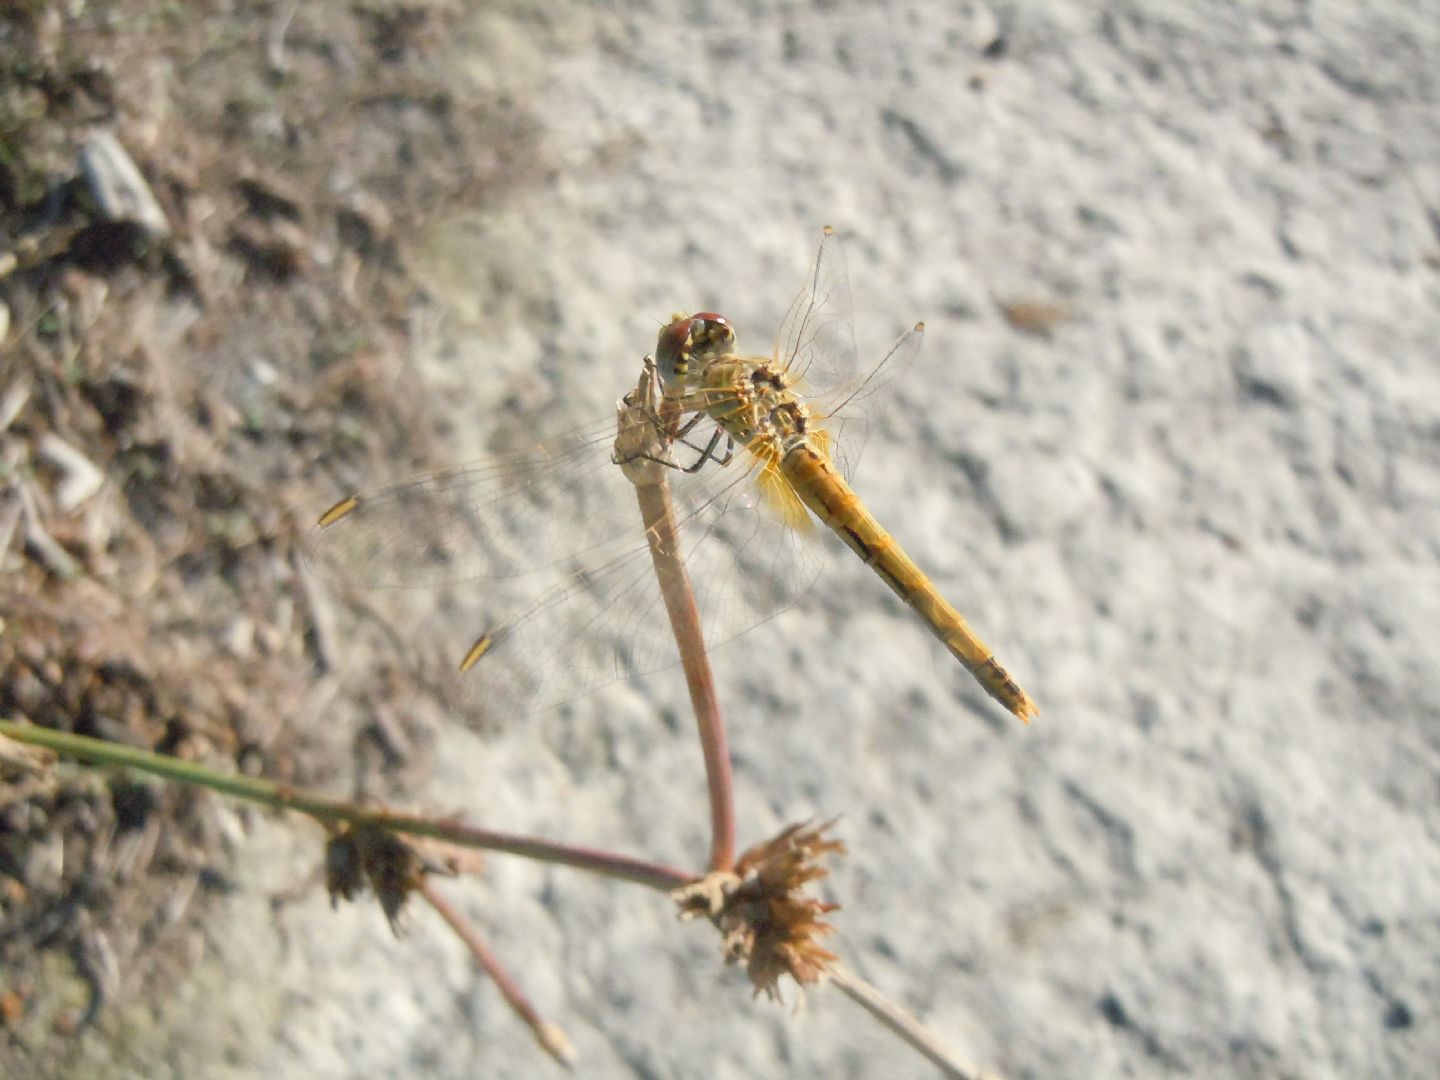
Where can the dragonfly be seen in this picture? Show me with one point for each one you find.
(758, 453)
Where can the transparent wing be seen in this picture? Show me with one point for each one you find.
(566, 599)
(498, 518)
(847, 411)
(605, 621)
(815, 345)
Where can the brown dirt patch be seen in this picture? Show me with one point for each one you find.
(166, 403)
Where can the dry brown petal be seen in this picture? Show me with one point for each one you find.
(359, 855)
(767, 922)
(344, 869)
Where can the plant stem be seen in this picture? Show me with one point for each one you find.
(659, 514)
(329, 811)
(904, 1025)
(646, 425)
(551, 1039)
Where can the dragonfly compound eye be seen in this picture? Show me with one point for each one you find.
(689, 340)
(711, 334)
(674, 347)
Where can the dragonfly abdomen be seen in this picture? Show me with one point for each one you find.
(827, 495)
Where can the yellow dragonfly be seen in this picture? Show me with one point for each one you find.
(764, 450)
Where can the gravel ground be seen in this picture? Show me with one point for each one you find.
(1173, 445)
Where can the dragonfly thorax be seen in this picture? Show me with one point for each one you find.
(752, 399)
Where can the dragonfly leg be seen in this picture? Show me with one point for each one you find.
(662, 438)
(689, 426)
(709, 454)
(639, 411)
(648, 457)
(662, 414)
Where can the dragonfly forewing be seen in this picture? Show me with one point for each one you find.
(847, 411)
(606, 620)
(498, 518)
(566, 600)
(816, 340)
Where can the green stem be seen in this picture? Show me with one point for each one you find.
(331, 811)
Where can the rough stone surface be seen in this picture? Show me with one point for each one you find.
(1197, 518)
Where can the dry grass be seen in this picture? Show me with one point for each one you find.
(164, 404)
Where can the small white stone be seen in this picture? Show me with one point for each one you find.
(119, 190)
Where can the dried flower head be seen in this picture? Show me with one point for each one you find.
(357, 855)
(769, 923)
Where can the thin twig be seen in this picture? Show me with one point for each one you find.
(550, 1037)
(56, 559)
(275, 38)
(640, 448)
(905, 1026)
(659, 515)
(329, 811)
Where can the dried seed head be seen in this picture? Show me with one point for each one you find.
(768, 922)
(344, 867)
(357, 855)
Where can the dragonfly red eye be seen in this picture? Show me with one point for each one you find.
(711, 333)
(672, 350)
(687, 339)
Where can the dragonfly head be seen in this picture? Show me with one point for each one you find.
(688, 341)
